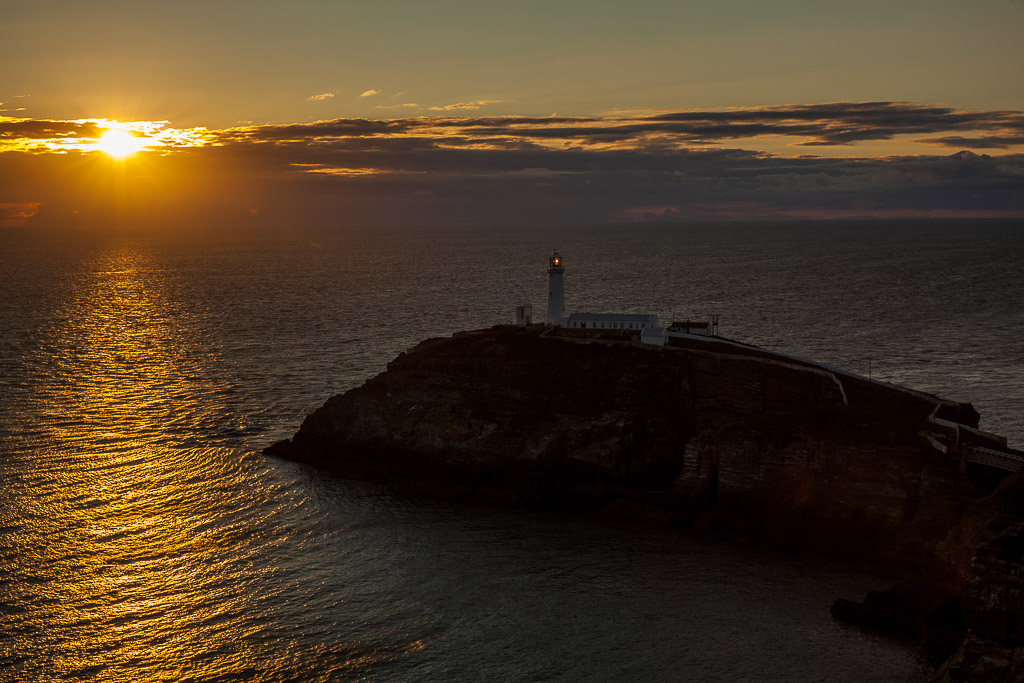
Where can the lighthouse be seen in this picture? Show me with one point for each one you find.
(556, 294)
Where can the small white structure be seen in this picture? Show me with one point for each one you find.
(657, 336)
(612, 321)
(524, 315)
(556, 292)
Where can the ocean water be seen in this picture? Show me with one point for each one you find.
(144, 537)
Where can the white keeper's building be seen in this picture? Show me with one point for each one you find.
(611, 321)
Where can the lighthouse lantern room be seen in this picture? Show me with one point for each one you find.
(556, 293)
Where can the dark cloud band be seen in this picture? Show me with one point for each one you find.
(830, 124)
(640, 166)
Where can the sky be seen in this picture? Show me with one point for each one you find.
(400, 112)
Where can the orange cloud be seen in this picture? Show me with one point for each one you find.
(321, 97)
(475, 104)
(17, 213)
(369, 93)
(41, 136)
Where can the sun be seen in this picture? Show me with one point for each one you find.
(120, 144)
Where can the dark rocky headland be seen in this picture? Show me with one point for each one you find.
(714, 435)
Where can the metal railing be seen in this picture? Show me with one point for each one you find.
(993, 458)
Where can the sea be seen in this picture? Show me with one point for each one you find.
(144, 537)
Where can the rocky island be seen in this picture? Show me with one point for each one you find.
(712, 434)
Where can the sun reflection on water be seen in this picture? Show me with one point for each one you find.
(124, 554)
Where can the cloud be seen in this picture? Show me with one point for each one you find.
(476, 104)
(647, 166)
(321, 97)
(981, 142)
(369, 93)
(17, 213)
(334, 130)
(840, 124)
(830, 124)
(45, 129)
(42, 136)
(484, 183)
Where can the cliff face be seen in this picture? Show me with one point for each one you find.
(711, 434)
(506, 414)
(988, 551)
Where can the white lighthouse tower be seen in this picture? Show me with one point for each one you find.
(556, 294)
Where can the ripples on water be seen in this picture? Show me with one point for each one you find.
(142, 536)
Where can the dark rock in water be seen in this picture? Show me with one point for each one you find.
(929, 612)
(704, 433)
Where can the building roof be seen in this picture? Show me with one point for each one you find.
(614, 317)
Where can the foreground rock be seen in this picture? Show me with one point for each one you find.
(988, 550)
(707, 433)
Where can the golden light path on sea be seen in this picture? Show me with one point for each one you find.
(130, 569)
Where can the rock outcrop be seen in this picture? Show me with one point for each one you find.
(988, 551)
(705, 433)
(714, 434)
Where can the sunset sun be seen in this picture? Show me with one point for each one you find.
(120, 144)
